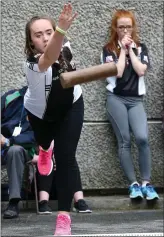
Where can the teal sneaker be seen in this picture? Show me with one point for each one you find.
(135, 192)
(149, 193)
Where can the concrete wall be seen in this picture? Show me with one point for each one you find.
(97, 153)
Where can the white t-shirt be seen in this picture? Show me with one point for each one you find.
(45, 98)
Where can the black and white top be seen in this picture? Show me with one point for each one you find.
(45, 97)
(130, 84)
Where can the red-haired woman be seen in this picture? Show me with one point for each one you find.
(125, 100)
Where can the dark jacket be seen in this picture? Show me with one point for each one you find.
(12, 113)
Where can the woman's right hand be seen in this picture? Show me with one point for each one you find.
(126, 41)
(66, 17)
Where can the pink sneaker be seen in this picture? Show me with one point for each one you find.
(45, 164)
(63, 225)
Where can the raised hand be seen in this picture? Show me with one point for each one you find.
(66, 17)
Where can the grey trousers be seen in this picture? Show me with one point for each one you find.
(127, 114)
(16, 158)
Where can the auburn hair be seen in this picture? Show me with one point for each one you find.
(112, 45)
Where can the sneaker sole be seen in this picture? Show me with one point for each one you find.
(87, 211)
(51, 168)
(152, 199)
(45, 213)
(78, 211)
(9, 217)
(136, 198)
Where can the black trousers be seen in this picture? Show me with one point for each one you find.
(66, 134)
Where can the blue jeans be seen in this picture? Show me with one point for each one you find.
(127, 114)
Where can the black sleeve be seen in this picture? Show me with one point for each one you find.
(26, 138)
(32, 63)
(65, 59)
(108, 56)
(144, 55)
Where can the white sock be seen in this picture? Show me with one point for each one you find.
(135, 183)
(145, 183)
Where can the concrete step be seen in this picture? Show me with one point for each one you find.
(96, 203)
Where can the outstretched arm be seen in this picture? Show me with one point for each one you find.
(54, 45)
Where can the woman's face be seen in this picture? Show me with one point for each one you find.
(41, 31)
(124, 26)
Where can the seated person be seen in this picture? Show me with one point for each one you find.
(17, 145)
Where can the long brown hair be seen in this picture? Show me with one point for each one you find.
(29, 49)
(112, 45)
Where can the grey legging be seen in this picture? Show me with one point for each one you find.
(125, 114)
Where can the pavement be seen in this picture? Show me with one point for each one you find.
(96, 223)
(111, 216)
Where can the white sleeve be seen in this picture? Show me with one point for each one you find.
(32, 73)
